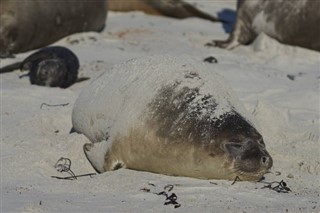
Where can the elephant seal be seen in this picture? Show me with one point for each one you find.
(169, 115)
(172, 8)
(290, 22)
(53, 66)
(27, 25)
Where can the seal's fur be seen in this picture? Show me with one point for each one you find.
(290, 22)
(53, 66)
(169, 115)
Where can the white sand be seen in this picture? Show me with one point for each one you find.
(33, 139)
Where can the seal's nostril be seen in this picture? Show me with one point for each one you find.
(264, 160)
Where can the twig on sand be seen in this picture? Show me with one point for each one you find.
(53, 105)
(73, 177)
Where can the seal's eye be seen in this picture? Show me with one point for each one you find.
(45, 72)
(238, 146)
(234, 149)
(236, 140)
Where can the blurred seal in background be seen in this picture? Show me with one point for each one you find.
(290, 22)
(27, 25)
(172, 8)
(53, 66)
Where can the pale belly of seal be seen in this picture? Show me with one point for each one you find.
(143, 150)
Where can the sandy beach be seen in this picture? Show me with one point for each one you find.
(278, 84)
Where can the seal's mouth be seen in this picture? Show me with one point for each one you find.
(247, 170)
(43, 75)
(46, 69)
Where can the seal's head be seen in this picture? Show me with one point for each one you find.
(50, 72)
(211, 135)
(250, 160)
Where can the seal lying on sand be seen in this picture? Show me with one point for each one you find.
(51, 66)
(171, 116)
(171, 8)
(290, 22)
(27, 25)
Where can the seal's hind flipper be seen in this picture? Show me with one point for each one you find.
(73, 130)
(96, 154)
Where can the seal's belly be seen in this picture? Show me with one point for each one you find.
(145, 151)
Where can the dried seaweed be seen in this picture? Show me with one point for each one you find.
(170, 199)
(280, 187)
(211, 60)
(64, 165)
(235, 180)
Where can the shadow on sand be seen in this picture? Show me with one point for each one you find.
(229, 18)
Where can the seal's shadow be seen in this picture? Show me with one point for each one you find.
(229, 18)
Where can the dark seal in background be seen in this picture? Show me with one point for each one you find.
(27, 25)
(53, 66)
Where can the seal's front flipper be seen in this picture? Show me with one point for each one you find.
(96, 154)
(11, 67)
(228, 44)
(82, 79)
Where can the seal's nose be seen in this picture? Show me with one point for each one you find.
(266, 161)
